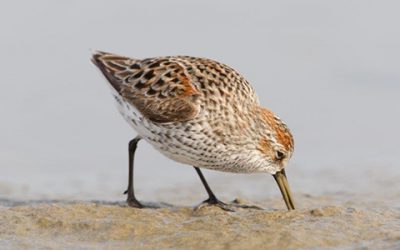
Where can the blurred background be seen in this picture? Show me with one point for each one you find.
(330, 70)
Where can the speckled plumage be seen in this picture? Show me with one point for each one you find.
(198, 112)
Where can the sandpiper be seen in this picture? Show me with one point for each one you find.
(198, 112)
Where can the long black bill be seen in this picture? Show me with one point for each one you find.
(281, 180)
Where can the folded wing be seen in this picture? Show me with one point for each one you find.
(160, 88)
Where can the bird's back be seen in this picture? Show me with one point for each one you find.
(176, 88)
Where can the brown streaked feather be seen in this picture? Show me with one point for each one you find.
(160, 88)
(109, 64)
(264, 146)
(282, 132)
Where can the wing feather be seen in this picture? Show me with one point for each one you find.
(160, 88)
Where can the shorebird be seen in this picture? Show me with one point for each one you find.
(198, 112)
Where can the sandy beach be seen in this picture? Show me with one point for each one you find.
(326, 223)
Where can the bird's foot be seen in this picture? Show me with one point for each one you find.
(132, 201)
(213, 201)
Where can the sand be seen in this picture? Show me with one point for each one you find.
(321, 222)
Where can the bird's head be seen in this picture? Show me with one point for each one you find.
(275, 146)
(275, 142)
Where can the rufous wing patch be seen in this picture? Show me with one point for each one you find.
(163, 94)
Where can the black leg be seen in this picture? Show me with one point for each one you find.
(212, 199)
(132, 201)
(211, 195)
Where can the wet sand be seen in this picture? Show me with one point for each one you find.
(324, 222)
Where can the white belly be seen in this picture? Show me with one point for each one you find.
(190, 148)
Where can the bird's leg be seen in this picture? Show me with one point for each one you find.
(132, 201)
(212, 199)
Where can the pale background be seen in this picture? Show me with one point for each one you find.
(330, 69)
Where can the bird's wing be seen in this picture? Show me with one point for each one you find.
(160, 88)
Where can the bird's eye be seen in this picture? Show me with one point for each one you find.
(280, 155)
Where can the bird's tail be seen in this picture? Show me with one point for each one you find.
(112, 66)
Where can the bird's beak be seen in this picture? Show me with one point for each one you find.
(280, 178)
